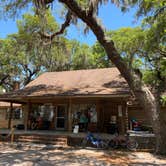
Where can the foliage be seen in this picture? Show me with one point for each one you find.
(129, 42)
(163, 100)
(8, 66)
(24, 55)
(80, 56)
(99, 57)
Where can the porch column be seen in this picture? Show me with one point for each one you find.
(70, 116)
(98, 115)
(121, 118)
(127, 117)
(10, 116)
(26, 114)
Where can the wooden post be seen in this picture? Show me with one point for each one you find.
(70, 116)
(122, 119)
(127, 118)
(12, 134)
(26, 114)
(98, 116)
(10, 115)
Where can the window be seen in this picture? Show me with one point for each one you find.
(17, 113)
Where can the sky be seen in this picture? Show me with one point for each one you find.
(111, 17)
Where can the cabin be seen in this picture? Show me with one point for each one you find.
(96, 100)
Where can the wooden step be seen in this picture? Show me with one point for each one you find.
(43, 142)
(62, 141)
(44, 138)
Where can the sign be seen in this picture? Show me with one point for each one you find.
(120, 111)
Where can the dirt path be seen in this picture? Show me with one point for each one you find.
(41, 155)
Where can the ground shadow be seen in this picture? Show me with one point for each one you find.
(65, 156)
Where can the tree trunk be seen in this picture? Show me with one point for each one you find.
(160, 133)
(160, 125)
(141, 92)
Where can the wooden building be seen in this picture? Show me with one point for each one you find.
(95, 100)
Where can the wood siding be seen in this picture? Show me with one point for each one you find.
(108, 109)
(4, 121)
(139, 114)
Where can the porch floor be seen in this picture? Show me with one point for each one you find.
(144, 140)
(71, 134)
(55, 133)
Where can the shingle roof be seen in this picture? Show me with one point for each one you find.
(107, 81)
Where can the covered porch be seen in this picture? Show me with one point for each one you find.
(105, 114)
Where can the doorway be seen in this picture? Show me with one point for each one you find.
(60, 122)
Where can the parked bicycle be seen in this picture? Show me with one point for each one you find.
(91, 140)
(124, 142)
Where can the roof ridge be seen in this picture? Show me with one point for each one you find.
(80, 70)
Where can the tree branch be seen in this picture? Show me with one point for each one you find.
(3, 79)
(159, 11)
(42, 3)
(67, 22)
(163, 53)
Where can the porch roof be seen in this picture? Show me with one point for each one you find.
(7, 104)
(93, 82)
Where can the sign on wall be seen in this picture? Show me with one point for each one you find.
(120, 111)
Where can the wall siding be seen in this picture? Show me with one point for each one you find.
(139, 114)
(4, 121)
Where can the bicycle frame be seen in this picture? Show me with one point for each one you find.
(99, 143)
(124, 142)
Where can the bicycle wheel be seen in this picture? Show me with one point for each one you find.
(103, 145)
(132, 145)
(113, 144)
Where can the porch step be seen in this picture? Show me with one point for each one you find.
(43, 139)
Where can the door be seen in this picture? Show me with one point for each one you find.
(60, 117)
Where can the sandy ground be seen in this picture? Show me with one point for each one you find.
(42, 155)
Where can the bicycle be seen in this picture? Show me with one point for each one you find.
(124, 142)
(94, 142)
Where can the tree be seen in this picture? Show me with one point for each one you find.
(25, 54)
(40, 54)
(8, 67)
(155, 14)
(87, 12)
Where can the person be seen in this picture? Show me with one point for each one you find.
(39, 121)
(93, 115)
(35, 122)
(83, 122)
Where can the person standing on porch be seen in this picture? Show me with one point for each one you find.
(83, 122)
